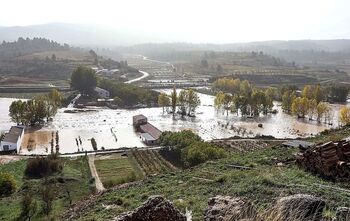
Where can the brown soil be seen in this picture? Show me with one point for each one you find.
(35, 138)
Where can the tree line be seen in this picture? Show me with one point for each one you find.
(184, 103)
(35, 111)
(237, 96)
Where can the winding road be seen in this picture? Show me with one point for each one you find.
(145, 74)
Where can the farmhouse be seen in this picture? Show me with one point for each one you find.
(13, 139)
(102, 93)
(149, 133)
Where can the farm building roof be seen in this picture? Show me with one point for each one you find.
(147, 137)
(139, 117)
(13, 135)
(151, 130)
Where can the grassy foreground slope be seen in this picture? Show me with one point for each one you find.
(74, 178)
(274, 174)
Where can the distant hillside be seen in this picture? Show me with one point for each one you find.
(301, 52)
(41, 58)
(135, 41)
(80, 35)
(28, 46)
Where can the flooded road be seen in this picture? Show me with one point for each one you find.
(113, 128)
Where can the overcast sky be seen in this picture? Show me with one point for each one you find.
(217, 21)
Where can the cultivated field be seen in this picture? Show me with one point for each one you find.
(152, 162)
(116, 169)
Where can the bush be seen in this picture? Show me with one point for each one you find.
(179, 140)
(43, 166)
(200, 152)
(7, 184)
(189, 147)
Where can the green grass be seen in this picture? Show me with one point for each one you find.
(192, 188)
(116, 169)
(76, 176)
(16, 169)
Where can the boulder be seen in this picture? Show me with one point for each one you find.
(342, 214)
(225, 208)
(156, 208)
(298, 207)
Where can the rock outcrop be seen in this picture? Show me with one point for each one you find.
(156, 208)
(226, 208)
(298, 207)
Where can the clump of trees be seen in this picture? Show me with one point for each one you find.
(310, 103)
(129, 95)
(43, 166)
(240, 96)
(187, 102)
(7, 184)
(35, 111)
(83, 79)
(163, 101)
(188, 148)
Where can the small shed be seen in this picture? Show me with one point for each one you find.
(138, 120)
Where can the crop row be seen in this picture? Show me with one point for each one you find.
(151, 162)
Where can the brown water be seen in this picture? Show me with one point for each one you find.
(106, 125)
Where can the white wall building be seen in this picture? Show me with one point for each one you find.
(102, 93)
(13, 139)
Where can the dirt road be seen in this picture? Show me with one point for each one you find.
(94, 174)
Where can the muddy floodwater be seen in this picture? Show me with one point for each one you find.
(113, 128)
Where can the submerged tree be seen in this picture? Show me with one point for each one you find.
(163, 101)
(344, 115)
(173, 101)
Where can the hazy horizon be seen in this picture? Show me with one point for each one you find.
(216, 22)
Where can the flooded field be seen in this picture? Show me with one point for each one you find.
(113, 128)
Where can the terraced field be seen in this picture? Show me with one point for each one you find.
(152, 162)
(116, 169)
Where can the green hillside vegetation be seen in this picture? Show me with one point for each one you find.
(47, 197)
(192, 188)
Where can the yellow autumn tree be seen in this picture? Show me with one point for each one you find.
(344, 115)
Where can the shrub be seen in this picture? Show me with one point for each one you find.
(29, 207)
(43, 166)
(179, 140)
(200, 152)
(7, 184)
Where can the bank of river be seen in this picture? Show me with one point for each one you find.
(113, 128)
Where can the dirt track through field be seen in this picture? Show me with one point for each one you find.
(94, 174)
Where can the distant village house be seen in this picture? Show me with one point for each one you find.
(102, 93)
(13, 139)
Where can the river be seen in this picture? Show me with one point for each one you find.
(113, 128)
